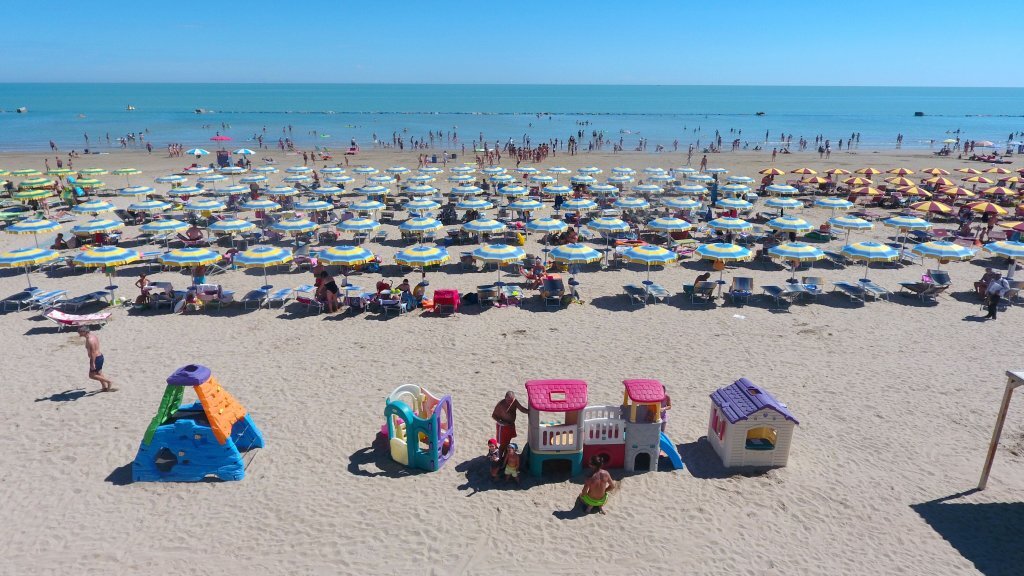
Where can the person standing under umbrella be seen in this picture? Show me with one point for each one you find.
(92, 348)
(995, 292)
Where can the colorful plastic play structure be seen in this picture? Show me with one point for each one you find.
(749, 427)
(563, 427)
(190, 442)
(413, 412)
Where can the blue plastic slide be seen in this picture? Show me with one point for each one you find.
(670, 450)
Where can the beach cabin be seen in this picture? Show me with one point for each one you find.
(412, 412)
(556, 422)
(189, 442)
(749, 427)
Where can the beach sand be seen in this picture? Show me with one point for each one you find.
(896, 403)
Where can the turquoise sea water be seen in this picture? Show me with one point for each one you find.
(65, 112)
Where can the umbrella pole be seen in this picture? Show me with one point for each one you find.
(1011, 269)
(36, 238)
(867, 266)
(266, 283)
(27, 277)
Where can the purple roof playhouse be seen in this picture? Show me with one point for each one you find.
(739, 400)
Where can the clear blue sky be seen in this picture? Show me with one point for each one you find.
(851, 42)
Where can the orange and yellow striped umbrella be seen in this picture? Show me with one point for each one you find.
(987, 208)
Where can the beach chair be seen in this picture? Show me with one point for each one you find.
(940, 277)
(214, 294)
(44, 299)
(380, 236)
(254, 298)
(635, 294)
(306, 296)
(487, 295)
(446, 299)
(552, 289)
(923, 290)
(741, 289)
(703, 290)
(281, 296)
(657, 292)
(22, 299)
(856, 292)
(790, 293)
(836, 259)
(814, 286)
(510, 295)
(77, 302)
(1013, 292)
(64, 320)
(875, 290)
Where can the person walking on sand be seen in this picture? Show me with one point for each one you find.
(92, 348)
(596, 487)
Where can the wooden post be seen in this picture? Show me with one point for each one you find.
(1013, 380)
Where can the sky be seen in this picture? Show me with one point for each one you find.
(782, 42)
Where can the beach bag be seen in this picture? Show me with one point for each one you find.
(470, 298)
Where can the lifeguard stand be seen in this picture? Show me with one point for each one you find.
(556, 422)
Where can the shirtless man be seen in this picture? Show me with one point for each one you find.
(504, 415)
(92, 348)
(596, 488)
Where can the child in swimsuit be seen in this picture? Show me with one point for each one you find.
(512, 463)
(494, 458)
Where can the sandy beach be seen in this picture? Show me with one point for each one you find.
(896, 402)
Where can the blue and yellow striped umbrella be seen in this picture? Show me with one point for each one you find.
(420, 224)
(136, 191)
(591, 170)
(943, 251)
(575, 254)
(650, 255)
(690, 189)
(164, 226)
(26, 258)
(467, 190)
(33, 194)
(149, 206)
(313, 206)
(513, 191)
(263, 257)
(583, 179)
(579, 204)
(668, 224)
(358, 225)
(420, 256)
(54, 172)
(422, 205)
(525, 205)
(36, 183)
(783, 203)
(367, 206)
(280, 191)
(94, 207)
(546, 225)
(298, 170)
(851, 223)
(484, 226)
(681, 203)
(499, 253)
(97, 225)
(870, 252)
(204, 205)
(106, 257)
(733, 204)
(730, 224)
(294, 225)
(493, 170)
(833, 203)
(265, 170)
(631, 203)
(724, 252)
(1005, 248)
(474, 204)
(261, 204)
(33, 226)
(781, 189)
(907, 223)
(606, 224)
(232, 226)
(346, 256)
(797, 252)
(557, 190)
(169, 179)
(790, 224)
(326, 191)
(190, 257)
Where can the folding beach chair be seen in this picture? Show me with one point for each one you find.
(254, 298)
(552, 289)
(22, 299)
(856, 292)
(77, 302)
(64, 320)
(446, 300)
(741, 289)
(306, 296)
(635, 294)
(657, 292)
(875, 290)
(813, 285)
(923, 290)
(703, 290)
(281, 296)
(940, 277)
(46, 299)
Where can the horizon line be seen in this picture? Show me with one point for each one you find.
(724, 85)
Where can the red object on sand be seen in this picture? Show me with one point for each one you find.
(219, 138)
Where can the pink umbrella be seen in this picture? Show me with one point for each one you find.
(219, 138)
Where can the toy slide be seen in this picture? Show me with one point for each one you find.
(670, 450)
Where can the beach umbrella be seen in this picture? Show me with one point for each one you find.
(382, 179)
(583, 179)
(190, 258)
(26, 173)
(108, 258)
(900, 171)
(347, 256)
(298, 169)
(619, 180)
(987, 208)
(795, 253)
(165, 226)
(690, 189)
(421, 256)
(943, 251)
(184, 191)
(87, 183)
(559, 170)
(525, 205)
(294, 226)
(26, 258)
(932, 207)
(474, 204)
(211, 178)
(997, 170)
(940, 182)
(649, 254)
(234, 189)
(904, 223)
(653, 170)
(575, 254)
(857, 181)
(466, 190)
(998, 191)
(204, 205)
(600, 189)
(493, 170)
(296, 179)
(367, 206)
(646, 189)
(589, 170)
(33, 194)
(136, 191)
(772, 171)
(327, 191)
(936, 171)
(33, 226)
(244, 152)
(557, 190)
(313, 206)
(783, 203)
(527, 170)
(730, 224)
(734, 189)
(850, 223)
(149, 206)
(781, 189)
(484, 226)
(462, 169)
(463, 178)
(717, 171)
(900, 181)
(868, 171)
(281, 191)
(169, 179)
(724, 253)
(733, 204)
(39, 182)
(834, 203)
(1010, 179)
(364, 170)
(231, 226)
(699, 178)
(261, 204)
(421, 190)
(512, 191)
(220, 138)
(958, 192)
(740, 179)
(869, 252)
(342, 179)
(93, 171)
(430, 170)
(197, 152)
(623, 171)
(421, 205)
(264, 170)
(914, 191)
(578, 205)
(866, 191)
(199, 170)
(790, 224)
(93, 207)
(96, 226)
(420, 179)
(263, 257)
(968, 170)
(358, 225)
(499, 179)
(681, 203)
(420, 225)
(397, 170)
(979, 180)
(333, 170)
(231, 170)
(668, 224)
(818, 180)
(804, 171)
(1007, 249)
(374, 190)
(627, 203)
(664, 177)
(127, 173)
(499, 254)
(606, 226)
(546, 225)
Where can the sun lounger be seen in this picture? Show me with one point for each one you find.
(874, 289)
(837, 259)
(45, 299)
(790, 292)
(77, 302)
(551, 291)
(65, 320)
(856, 292)
(741, 289)
(636, 294)
(658, 292)
(281, 296)
(21, 299)
(923, 290)
(813, 285)
(702, 290)
(306, 295)
(254, 299)
(214, 294)
(940, 277)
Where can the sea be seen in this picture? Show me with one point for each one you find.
(334, 115)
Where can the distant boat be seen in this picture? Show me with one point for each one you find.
(22, 110)
(200, 111)
(918, 113)
(129, 108)
(759, 114)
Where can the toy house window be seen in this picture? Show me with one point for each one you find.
(761, 438)
(714, 419)
(721, 428)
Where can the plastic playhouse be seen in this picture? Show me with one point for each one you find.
(413, 412)
(564, 427)
(749, 427)
(189, 442)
